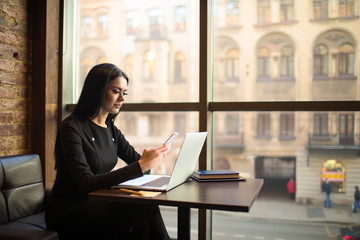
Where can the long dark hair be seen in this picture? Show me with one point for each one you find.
(93, 92)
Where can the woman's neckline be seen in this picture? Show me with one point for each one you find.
(104, 127)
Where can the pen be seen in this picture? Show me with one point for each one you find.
(131, 191)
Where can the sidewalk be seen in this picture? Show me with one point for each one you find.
(287, 210)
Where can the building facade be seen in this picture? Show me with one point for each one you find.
(264, 50)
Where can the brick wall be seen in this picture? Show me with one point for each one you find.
(15, 77)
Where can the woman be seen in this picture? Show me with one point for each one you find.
(86, 150)
(291, 188)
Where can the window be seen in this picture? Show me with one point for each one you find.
(287, 62)
(286, 10)
(103, 25)
(321, 65)
(263, 11)
(154, 126)
(346, 131)
(264, 63)
(232, 124)
(180, 18)
(232, 66)
(287, 125)
(321, 125)
(346, 60)
(131, 22)
(334, 65)
(232, 13)
(180, 64)
(263, 125)
(334, 171)
(346, 8)
(180, 122)
(237, 83)
(320, 8)
(86, 27)
(156, 23)
(130, 127)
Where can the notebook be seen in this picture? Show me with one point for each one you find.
(184, 166)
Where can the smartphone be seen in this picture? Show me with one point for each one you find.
(171, 138)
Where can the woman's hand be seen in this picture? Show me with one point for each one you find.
(152, 157)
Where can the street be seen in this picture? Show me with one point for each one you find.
(230, 226)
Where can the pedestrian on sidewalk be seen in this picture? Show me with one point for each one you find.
(326, 188)
(356, 199)
(291, 188)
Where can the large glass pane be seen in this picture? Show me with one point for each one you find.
(151, 129)
(274, 65)
(155, 43)
(309, 147)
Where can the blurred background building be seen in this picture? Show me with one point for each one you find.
(263, 50)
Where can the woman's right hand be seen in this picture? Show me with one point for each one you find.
(152, 157)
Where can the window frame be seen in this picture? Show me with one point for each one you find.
(206, 106)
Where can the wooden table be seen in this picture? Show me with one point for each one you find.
(227, 196)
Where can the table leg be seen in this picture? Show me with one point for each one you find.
(184, 220)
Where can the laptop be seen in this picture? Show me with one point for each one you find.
(184, 167)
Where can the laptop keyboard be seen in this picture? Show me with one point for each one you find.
(161, 181)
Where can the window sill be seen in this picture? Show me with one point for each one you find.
(285, 138)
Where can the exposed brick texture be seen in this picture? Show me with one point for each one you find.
(15, 77)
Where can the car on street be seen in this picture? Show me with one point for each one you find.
(349, 232)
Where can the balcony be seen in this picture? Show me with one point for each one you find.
(234, 142)
(334, 143)
(159, 33)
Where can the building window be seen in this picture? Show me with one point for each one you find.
(232, 66)
(287, 62)
(149, 65)
(180, 63)
(156, 23)
(287, 125)
(86, 28)
(232, 124)
(130, 124)
(232, 13)
(334, 172)
(346, 8)
(102, 25)
(180, 18)
(321, 58)
(263, 125)
(346, 60)
(154, 125)
(131, 22)
(263, 11)
(346, 131)
(263, 63)
(180, 122)
(320, 8)
(287, 10)
(321, 125)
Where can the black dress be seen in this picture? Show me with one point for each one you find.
(85, 155)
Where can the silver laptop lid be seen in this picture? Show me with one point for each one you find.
(186, 161)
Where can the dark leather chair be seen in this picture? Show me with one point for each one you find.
(22, 199)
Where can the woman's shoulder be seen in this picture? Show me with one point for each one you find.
(73, 122)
